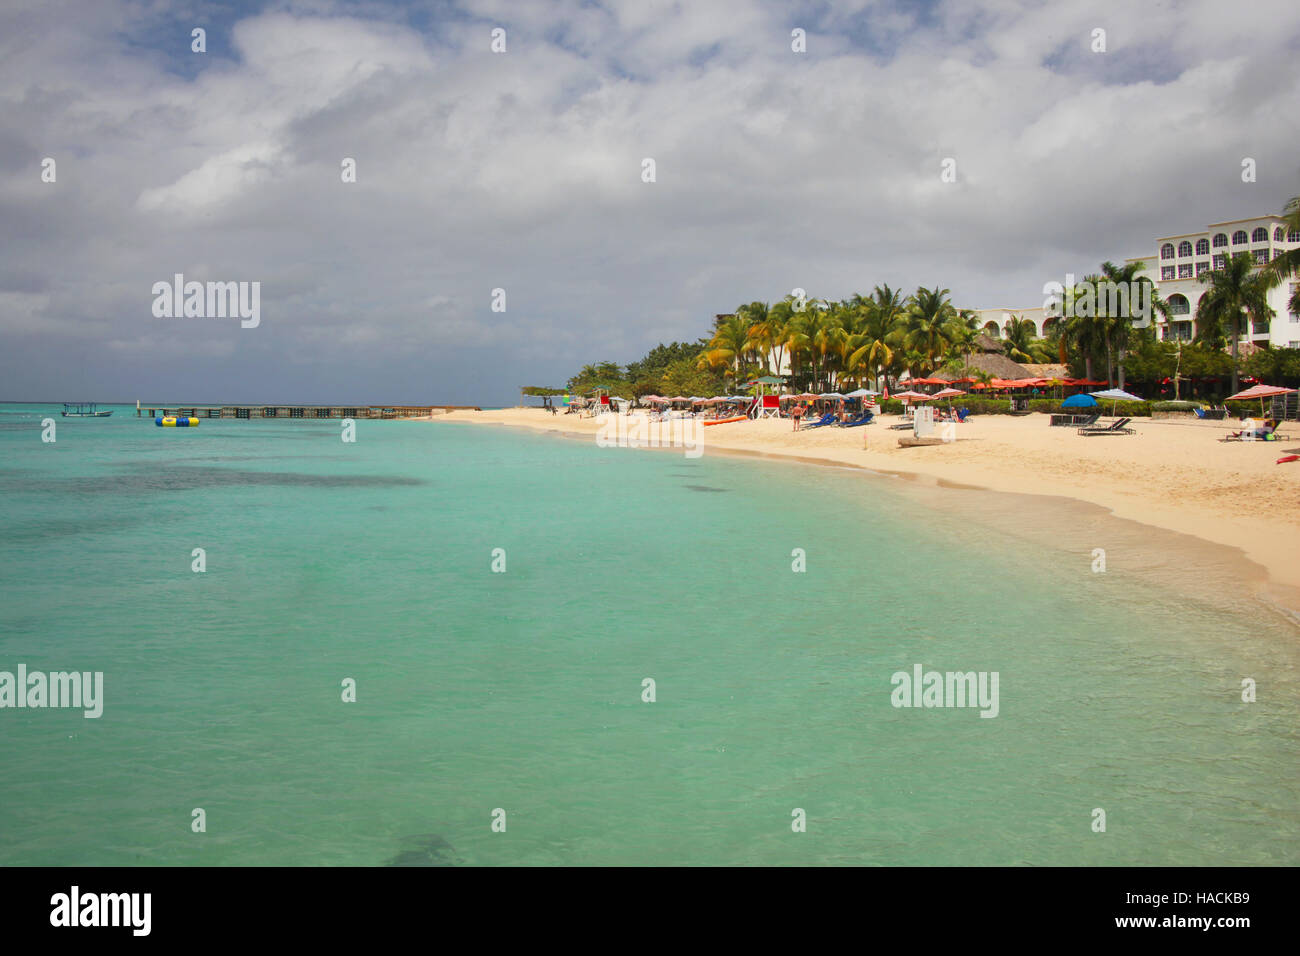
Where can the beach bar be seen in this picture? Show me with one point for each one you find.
(299, 411)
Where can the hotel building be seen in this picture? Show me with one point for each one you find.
(1175, 268)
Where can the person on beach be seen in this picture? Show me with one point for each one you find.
(796, 413)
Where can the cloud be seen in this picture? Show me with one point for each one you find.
(522, 171)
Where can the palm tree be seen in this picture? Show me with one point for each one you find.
(1288, 263)
(1120, 327)
(1235, 289)
(728, 346)
(927, 315)
(961, 332)
(870, 345)
(1019, 343)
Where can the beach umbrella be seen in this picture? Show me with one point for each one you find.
(831, 395)
(947, 393)
(1079, 401)
(862, 393)
(1261, 392)
(1116, 395)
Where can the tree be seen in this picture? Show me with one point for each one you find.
(1235, 291)
(728, 347)
(1119, 327)
(1288, 263)
(927, 315)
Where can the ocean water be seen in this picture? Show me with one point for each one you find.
(523, 690)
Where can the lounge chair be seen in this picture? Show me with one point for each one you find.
(866, 418)
(827, 419)
(1074, 421)
(1115, 428)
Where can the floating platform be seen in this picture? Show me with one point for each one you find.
(300, 411)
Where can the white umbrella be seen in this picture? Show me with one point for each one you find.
(861, 393)
(1116, 395)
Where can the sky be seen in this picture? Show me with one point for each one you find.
(523, 171)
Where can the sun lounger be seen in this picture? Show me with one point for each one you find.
(1115, 428)
(866, 418)
(1074, 421)
(827, 419)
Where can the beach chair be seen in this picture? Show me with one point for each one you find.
(827, 419)
(866, 418)
(1114, 428)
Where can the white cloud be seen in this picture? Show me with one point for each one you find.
(522, 170)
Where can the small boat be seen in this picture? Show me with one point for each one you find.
(724, 421)
(919, 442)
(84, 410)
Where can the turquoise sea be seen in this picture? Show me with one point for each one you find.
(522, 690)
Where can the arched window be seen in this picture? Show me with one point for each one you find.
(1239, 237)
(1184, 248)
(1220, 240)
(1178, 305)
(1167, 251)
(1279, 234)
(1259, 235)
(1202, 247)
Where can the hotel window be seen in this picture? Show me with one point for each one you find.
(1202, 247)
(1220, 240)
(1277, 253)
(1261, 257)
(1220, 261)
(1239, 237)
(1295, 287)
(1184, 249)
(1166, 272)
(1178, 305)
(1259, 235)
(1293, 237)
(1167, 251)
(1185, 271)
(1279, 234)
(1202, 267)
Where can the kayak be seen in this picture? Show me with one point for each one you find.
(723, 421)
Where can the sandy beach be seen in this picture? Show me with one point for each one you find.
(1173, 474)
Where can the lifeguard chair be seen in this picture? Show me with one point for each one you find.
(768, 406)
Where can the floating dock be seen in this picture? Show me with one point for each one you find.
(299, 411)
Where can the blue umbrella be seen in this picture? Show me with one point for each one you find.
(1079, 401)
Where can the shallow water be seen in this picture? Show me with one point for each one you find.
(523, 690)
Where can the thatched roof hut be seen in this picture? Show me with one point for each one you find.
(994, 363)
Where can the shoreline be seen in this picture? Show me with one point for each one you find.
(1173, 475)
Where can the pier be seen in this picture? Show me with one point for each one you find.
(300, 411)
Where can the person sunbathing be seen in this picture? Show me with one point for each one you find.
(1257, 434)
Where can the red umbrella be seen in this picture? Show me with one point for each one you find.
(1261, 392)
